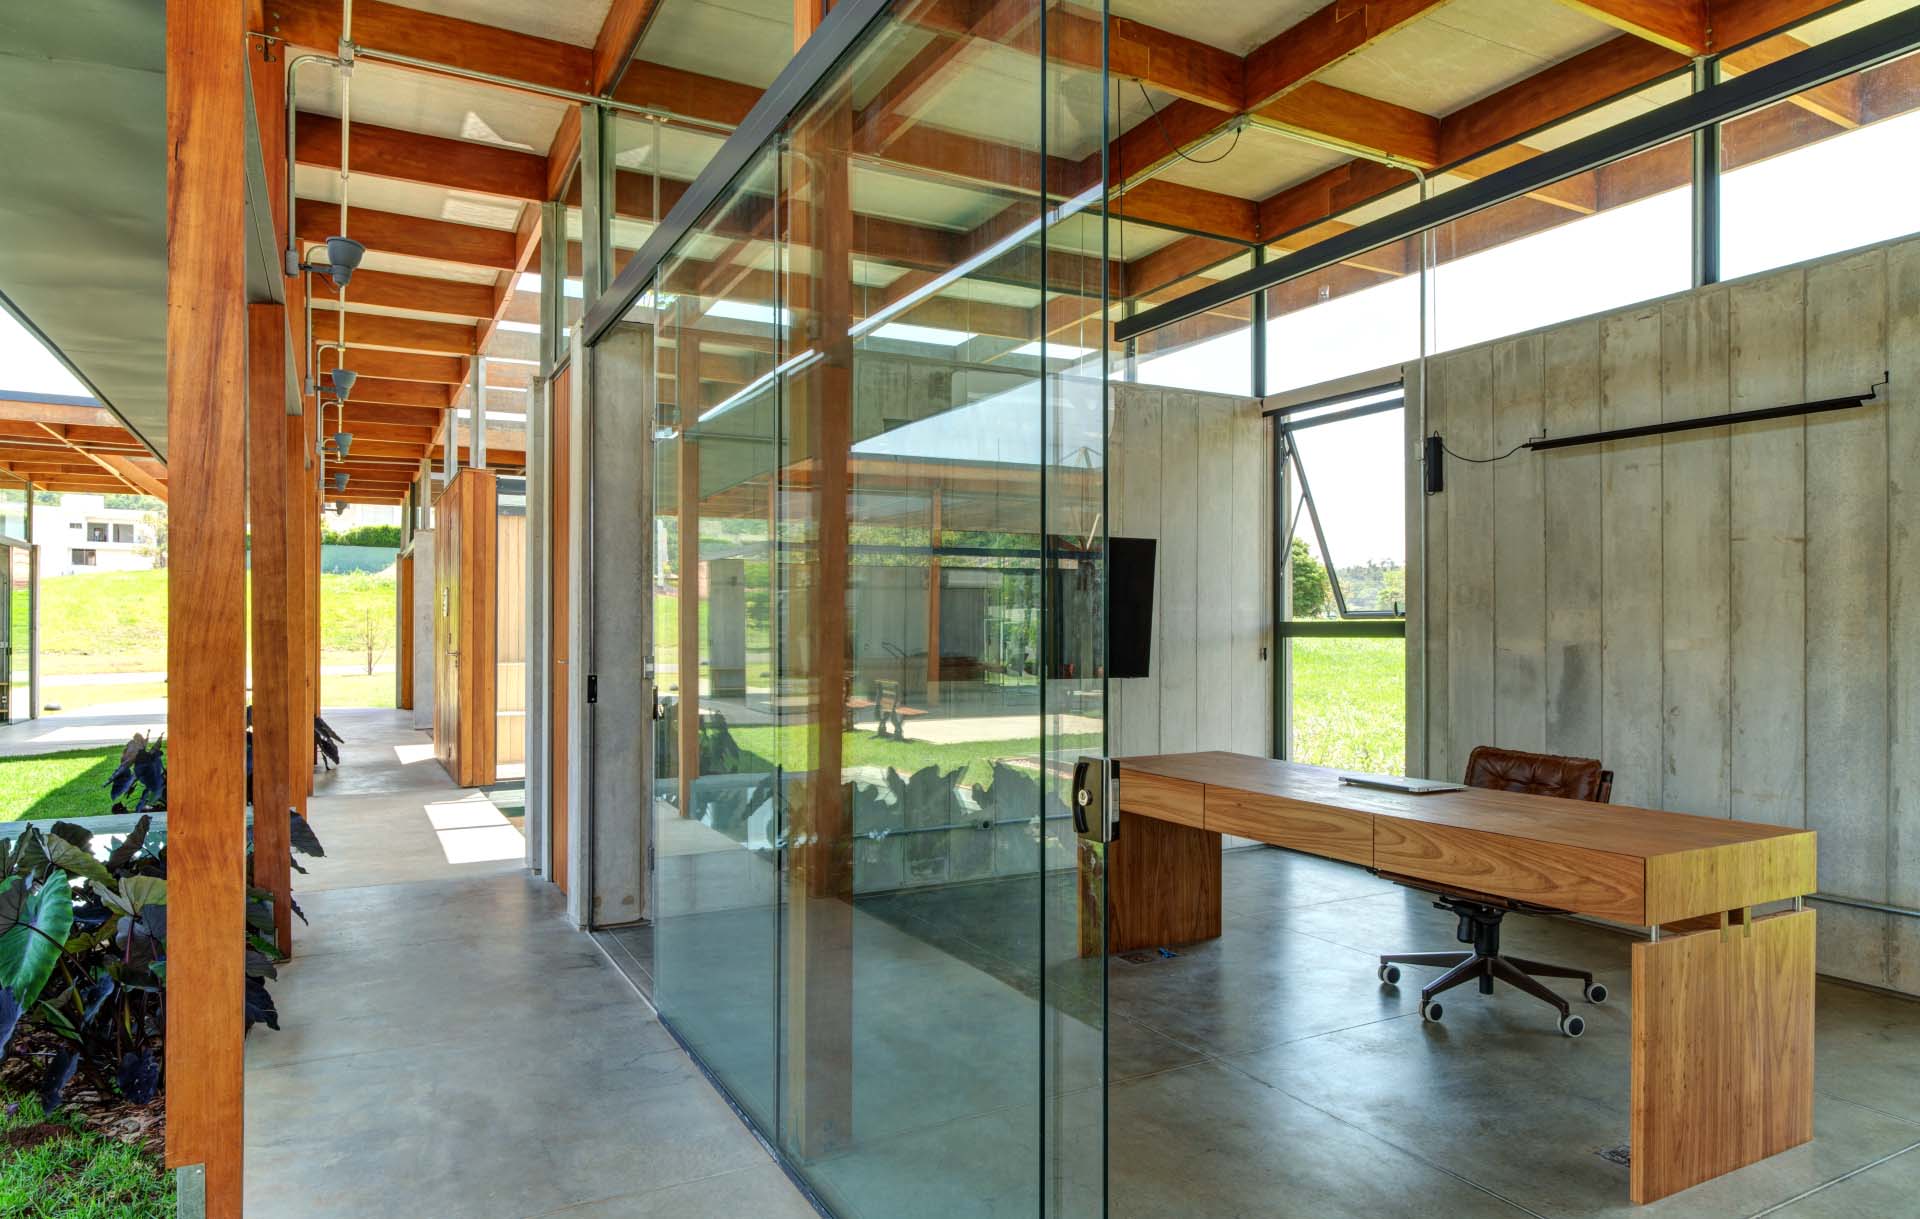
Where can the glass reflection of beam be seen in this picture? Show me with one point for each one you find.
(759, 383)
(968, 266)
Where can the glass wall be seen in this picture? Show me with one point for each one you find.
(879, 493)
(1827, 170)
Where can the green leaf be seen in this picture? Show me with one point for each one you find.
(35, 926)
(77, 860)
(139, 892)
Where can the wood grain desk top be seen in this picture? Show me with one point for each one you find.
(1638, 865)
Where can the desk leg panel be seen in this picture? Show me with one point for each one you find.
(1163, 886)
(1722, 1051)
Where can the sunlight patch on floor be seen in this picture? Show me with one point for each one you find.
(410, 754)
(472, 831)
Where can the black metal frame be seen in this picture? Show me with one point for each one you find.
(812, 63)
(1286, 450)
(1885, 39)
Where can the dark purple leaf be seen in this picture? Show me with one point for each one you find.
(53, 1085)
(260, 1009)
(139, 1076)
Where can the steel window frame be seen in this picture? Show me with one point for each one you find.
(1713, 103)
(812, 64)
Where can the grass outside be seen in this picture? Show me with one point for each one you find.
(50, 1168)
(116, 622)
(68, 784)
(1350, 704)
(863, 748)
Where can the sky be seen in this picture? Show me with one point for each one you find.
(26, 366)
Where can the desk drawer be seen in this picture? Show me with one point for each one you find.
(1577, 879)
(1330, 832)
(1175, 800)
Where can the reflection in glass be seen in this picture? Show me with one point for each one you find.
(876, 473)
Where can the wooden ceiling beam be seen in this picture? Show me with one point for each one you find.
(1677, 25)
(620, 34)
(1355, 121)
(409, 156)
(146, 475)
(414, 236)
(397, 393)
(423, 293)
(1837, 101)
(1600, 74)
(404, 366)
(394, 333)
(443, 40)
(1322, 39)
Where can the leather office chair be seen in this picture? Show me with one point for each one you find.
(1479, 915)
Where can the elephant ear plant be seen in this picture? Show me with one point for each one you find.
(83, 951)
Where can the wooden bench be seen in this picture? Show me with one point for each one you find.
(891, 713)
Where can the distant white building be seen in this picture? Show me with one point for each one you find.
(81, 534)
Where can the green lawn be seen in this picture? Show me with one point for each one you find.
(863, 748)
(69, 784)
(1350, 704)
(116, 622)
(51, 1169)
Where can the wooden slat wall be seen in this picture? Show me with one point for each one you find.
(1727, 617)
(1192, 470)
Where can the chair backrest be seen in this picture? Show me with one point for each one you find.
(1540, 774)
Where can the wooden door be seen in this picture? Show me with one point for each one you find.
(403, 636)
(561, 600)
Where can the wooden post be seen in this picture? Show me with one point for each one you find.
(206, 588)
(818, 1094)
(267, 68)
(687, 472)
(270, 500)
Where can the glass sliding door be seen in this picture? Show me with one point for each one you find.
(719, 823)
(879, 631)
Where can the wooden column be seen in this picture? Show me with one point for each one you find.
(818, 1091)
(267, 69)
(276, 678)
(687, 482)
(206, 589)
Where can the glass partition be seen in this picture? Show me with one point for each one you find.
(879, 479)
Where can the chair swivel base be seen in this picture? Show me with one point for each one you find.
(1480, 926)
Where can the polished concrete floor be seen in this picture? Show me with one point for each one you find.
(1264, 1073)
(450, 1048)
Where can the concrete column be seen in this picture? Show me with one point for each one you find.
(727, 628)
(610, 752)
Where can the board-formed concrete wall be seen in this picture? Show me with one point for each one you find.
(1729, 617)
(1192, 471)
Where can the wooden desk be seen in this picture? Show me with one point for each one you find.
(1722, 1009)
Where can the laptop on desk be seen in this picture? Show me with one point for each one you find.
(1396, 783)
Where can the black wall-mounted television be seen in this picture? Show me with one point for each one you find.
(1076, 582)
(1129, 606)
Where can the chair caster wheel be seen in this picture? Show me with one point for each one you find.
(1430, 1012)
(1572, 1026)
(1390, 974)
(1595, 992)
